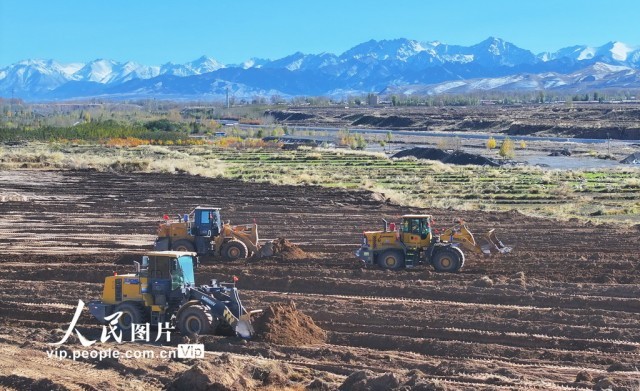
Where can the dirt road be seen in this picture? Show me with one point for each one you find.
(561, 311)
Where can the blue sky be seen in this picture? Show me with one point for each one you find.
(155, 32)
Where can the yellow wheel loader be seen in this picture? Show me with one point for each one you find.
(202, 231)
(415, 242)
(163, 290)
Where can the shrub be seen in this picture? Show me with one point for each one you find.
(163, 125)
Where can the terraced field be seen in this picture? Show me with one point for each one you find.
(560, 312)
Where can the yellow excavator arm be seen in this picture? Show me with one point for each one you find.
(486, 244)
(246, 233)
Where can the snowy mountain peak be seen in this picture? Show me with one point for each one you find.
(253, 62)
(100, 71)
(620, 51)
(396, 49)
(205, 64)
(368, 67)
(614, 51)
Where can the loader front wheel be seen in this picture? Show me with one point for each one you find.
(233, 250)
(183, 245)
(447, 260)
(195, 320)
(131, 313)
(391, 259)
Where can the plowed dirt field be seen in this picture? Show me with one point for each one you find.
(560, 312)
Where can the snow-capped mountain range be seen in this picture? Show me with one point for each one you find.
(387, 66)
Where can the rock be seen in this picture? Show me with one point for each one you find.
(366, 381)
(318, 384)
(604, 383)
(483, 282)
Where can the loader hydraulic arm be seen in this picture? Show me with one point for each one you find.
(487, 244)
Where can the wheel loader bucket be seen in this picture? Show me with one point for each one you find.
(244, 328)
(491, 244)
(265, 251)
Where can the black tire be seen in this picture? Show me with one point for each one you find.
(183, 245)
(391, 259)
(131, 313)
(233, 250)
(461, 255)
(195, 320)
(447, 259)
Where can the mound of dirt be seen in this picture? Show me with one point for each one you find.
(283, 324)
(226, 373)
(287, 250)
(15, 382)
(423, 153)
(457, 157)
(287, 115)
(634, 158)
(366, 380)
(561, 152)
(392, 121)
(464, 158)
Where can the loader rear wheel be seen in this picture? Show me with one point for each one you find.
(391, 259)
(233, 250)
(447, 259)
(195, 320)
(183, 245)
(131, 313)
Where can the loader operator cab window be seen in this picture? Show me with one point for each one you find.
(160, 268)
(182, 272)
(420, 227)
(204, 220)
(411, 226)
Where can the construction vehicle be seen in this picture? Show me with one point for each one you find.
(202, 231)
(415, 242)
(163, 289)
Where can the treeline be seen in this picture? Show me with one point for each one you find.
(94, 130)
(509, 98)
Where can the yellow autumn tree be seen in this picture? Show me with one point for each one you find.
(507, 149)
(491, 143)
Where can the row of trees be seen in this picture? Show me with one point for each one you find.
(94, 130)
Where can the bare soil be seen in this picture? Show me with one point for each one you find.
(581, 120)
(561, 311)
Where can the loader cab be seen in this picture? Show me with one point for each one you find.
(416, 230)
(171, 268)
(206, 222)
